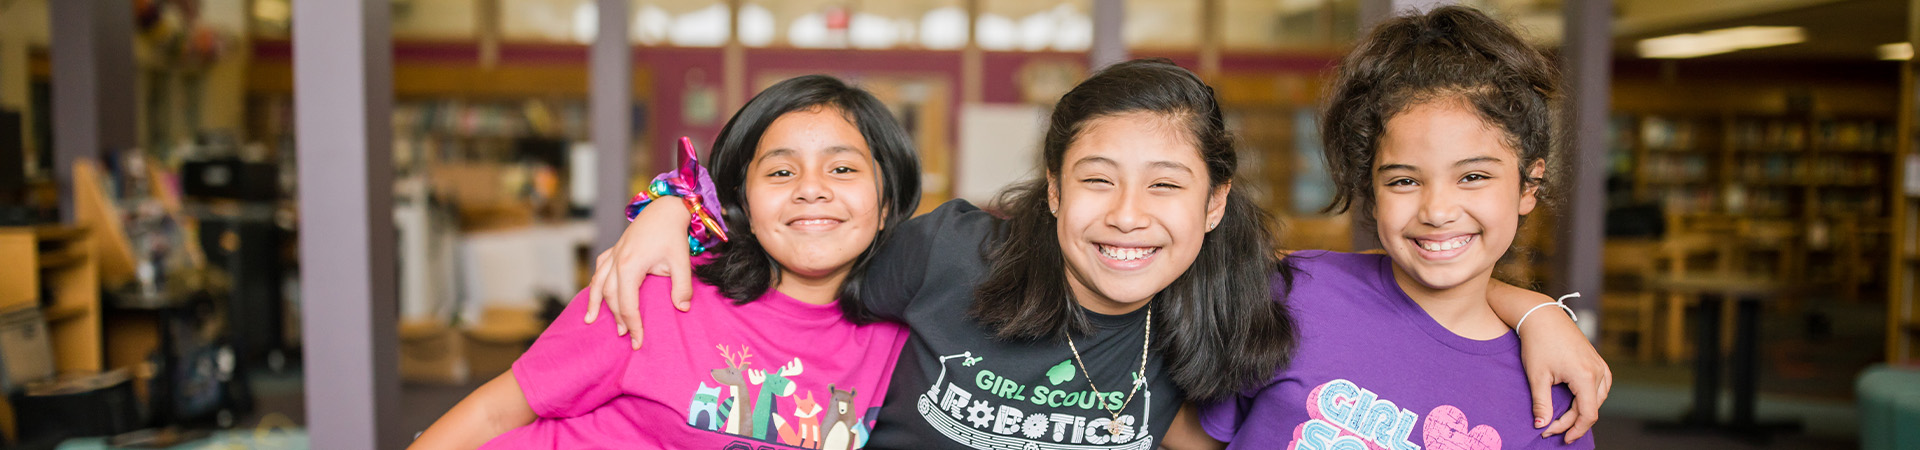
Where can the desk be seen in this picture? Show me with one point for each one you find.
(1747, 293)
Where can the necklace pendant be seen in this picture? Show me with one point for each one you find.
(1113, 427)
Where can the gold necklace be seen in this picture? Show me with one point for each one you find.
(1114, 426)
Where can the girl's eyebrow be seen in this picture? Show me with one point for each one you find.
(1170, 165)
(1477, 160)
(1394, 167)
(775, 152)
(1463, 162)
(783, 151)
(1102, 160)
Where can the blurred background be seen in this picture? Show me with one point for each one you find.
(1742, 225)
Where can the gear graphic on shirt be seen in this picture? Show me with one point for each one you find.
(1035, 426)
(981, 414)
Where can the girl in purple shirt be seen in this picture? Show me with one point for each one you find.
(1439, 131)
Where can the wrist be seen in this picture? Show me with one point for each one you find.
(1548, 312)
(691, 186)
(1543, 322)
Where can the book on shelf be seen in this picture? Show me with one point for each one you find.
(1911, 185)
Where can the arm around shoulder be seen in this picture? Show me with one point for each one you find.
(1554, 351)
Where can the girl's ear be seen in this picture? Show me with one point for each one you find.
(1217, 205)
(880, 187)
(1536, 174)
(1053, 194)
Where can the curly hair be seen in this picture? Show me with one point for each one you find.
(1451, 53)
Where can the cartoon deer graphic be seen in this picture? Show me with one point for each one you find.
(735, 378)
(772, 385)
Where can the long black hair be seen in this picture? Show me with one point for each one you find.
(1226, 330)
(743, 271)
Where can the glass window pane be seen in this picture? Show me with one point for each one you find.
(1273, 24)
(1162, 24)
(933, 24)
(272, 18)
(688, 23)
(433, 19)
(1057, 25)
(548, 20)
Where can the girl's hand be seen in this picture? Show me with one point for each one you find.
(1554, 351)
(655, 243)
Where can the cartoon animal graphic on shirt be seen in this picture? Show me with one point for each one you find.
(735, 378)
(840, 421)
(805, 431)
(864, 429)
(704, 413)
(772, 385)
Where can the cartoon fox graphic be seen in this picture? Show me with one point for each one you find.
(805, 432)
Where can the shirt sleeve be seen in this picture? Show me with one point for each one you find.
(899, 269)
(574, 366)
(1221, 420)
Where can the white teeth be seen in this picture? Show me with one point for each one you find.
(1449, 244)
(1126, 254)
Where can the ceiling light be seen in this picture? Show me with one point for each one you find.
(1898, 51)
(1720, 41)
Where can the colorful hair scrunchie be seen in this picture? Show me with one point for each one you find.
(690, 182)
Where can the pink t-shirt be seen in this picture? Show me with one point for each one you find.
(776, 372)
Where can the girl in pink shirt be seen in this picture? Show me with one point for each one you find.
(809, 172)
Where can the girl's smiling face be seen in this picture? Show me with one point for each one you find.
(813, 194)
(1133, 204)
(1448, 195)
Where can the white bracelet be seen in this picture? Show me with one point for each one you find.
(1562, 303)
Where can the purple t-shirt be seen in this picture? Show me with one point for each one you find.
(1374, 371)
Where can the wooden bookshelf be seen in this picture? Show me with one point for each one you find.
(1804, 195)
(61, 259)
(1903, 292)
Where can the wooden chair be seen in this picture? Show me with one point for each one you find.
(1683, 255)
(1626, 265)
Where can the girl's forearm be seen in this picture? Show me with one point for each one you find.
(1511, 303)
(1186, 434)
(490, 411)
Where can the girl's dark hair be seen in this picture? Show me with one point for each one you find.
(1452, 53)
(1221, 325)
(742, 269)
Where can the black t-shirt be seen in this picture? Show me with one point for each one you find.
(955, 386)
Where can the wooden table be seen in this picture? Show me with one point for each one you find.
(1748, 293)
